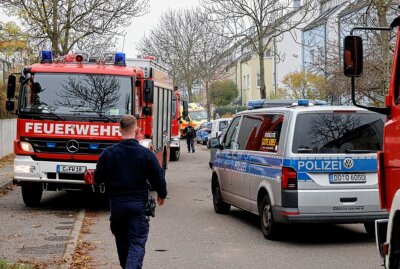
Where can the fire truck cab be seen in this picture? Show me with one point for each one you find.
(68, 111)
(387, 230)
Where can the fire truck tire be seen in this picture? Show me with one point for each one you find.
(370, 229)
(164, 162)
(175, 154)
(32, 194)
(268, 225)
(220, 206)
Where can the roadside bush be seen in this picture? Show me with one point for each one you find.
(228, 111)
(5, 265)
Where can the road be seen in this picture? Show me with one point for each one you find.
(186, 232)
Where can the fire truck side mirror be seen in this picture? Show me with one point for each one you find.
(11, 85)
(149, 91)
(185, 112)
(353, 56)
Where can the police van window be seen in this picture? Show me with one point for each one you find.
(249, 128)
(231, 133)
(261, 132)
(338, 132)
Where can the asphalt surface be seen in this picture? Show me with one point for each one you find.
(187, 233)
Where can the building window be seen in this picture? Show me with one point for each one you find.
(312, 56)
(244, 83)
(248, 82)
(268, 53)
(258, 80)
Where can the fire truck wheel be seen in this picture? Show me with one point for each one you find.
(175, 154)
(220, 206)
(164, 162)
(370, 228)
(268, 225)
(32, 194)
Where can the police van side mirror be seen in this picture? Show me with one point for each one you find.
(353, 56)
(11, 85)
(214, 142)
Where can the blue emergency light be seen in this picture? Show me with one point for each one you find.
(119, 59)
(47, 56)
(94, 146)
(303, 102)
(51, 144)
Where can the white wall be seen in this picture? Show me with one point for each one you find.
(8, 131)
(289, 47)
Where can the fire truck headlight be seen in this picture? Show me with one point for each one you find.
(25, 146)
(24, 168)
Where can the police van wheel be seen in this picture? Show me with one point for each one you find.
(370, 228)
(32, 194)
(268, 226)
(220, 206)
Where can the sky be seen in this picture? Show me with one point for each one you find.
(141, 25)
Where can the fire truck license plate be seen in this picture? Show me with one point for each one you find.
(347, 178)
(71, 169)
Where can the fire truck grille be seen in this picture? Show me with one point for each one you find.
(85, 147)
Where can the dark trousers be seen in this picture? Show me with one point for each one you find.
(130, 227)
(190, 144)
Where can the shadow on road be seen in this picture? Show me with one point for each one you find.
(72, 200)
(310, 234)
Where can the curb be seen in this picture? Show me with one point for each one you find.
(73, 242)
(5, 185)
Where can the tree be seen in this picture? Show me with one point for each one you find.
(256, 23)
(184, 41)
(174, 41)
(304, 85)
(68, 24)
(223, 92)
(12, 39)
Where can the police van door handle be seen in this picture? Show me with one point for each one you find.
(348, 199)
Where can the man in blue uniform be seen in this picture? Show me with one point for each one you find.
(190, 133)
(127, 169)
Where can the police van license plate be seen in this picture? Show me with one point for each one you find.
(71, 169)
(347, 178)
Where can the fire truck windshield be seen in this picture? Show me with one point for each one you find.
(91, 95)
(198, 115)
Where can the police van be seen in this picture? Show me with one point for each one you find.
(300, 164)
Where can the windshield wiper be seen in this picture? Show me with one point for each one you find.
(41, 113)
(99, 113)
(361, 151)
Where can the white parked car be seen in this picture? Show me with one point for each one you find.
(218, 126)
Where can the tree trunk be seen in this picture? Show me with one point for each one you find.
(208, 100)
(54, 29)
(382, 11)
(263, 93)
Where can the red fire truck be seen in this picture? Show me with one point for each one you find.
(387, 230)
(146, 63)
(68, 111)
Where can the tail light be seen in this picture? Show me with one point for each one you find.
(289, 179)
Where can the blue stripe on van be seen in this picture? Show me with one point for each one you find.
(331, 165)
(270, 166)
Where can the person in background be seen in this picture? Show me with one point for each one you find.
(128, 170)
(190, 133)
